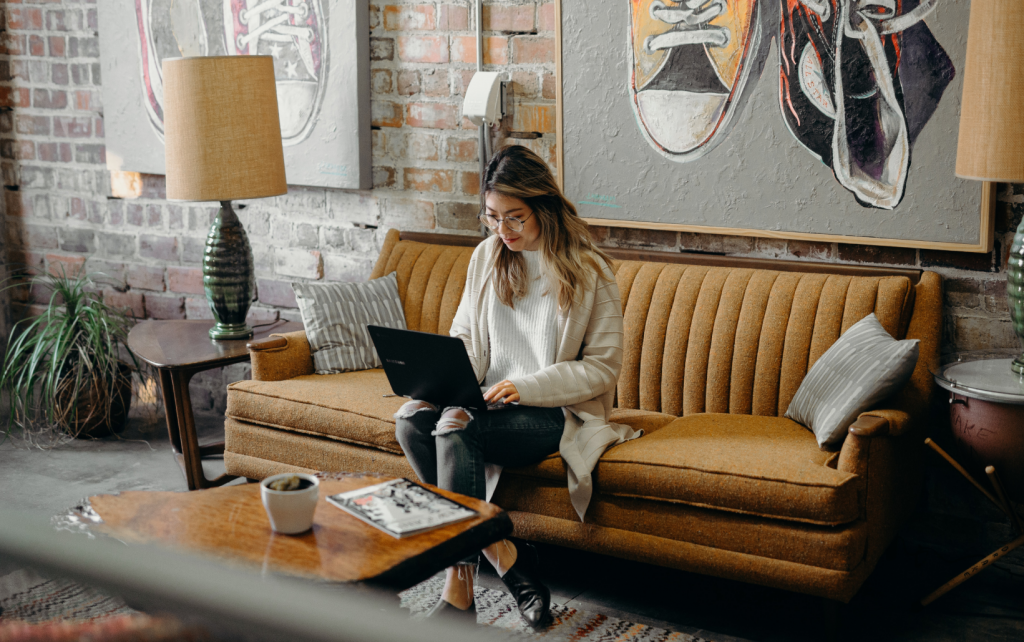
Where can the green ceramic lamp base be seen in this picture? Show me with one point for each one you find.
(1015, 291)
(1018, 365)
(225, 331)
(228, 275)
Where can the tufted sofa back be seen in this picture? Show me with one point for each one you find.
(430, 280)
(698, 338)
(735, 340)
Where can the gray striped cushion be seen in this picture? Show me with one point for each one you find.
(863, 367)
(336, 315)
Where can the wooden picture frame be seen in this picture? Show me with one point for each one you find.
(986, 215)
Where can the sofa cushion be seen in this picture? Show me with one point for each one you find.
(348, 406)
(553, 467)
(257, 452)
(767, 466)
(351, 407)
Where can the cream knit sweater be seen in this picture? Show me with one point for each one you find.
(582, 379)
(523, 338)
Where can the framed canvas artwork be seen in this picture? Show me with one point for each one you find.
(321, 64)
(828, 120)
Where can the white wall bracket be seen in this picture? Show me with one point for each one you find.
(485, 98)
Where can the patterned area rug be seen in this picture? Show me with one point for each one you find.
(35, 609)
(498, 609)
(30, 598)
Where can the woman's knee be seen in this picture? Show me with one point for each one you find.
(411, 408)
(453, 420)
(414, 419)
(451, 434)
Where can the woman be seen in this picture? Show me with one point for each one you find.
(542, 322)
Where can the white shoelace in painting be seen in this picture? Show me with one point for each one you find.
(275, 28)
(691, 18)
(888, 23)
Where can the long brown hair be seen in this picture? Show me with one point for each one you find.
(566, 247)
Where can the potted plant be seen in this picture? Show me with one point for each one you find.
(69, 367)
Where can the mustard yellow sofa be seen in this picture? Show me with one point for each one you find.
(715, 348)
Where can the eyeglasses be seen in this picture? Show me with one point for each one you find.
(511, 222)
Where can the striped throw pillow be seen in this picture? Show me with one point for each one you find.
(336, 316)
(863, 367)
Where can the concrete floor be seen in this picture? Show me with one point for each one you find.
(989, 607)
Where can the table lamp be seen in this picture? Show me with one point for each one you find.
(991, 143)
(222, 143)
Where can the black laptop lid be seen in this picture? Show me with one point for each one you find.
(429, 367)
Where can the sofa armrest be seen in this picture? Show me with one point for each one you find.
(281, 356)
(882, 423)
(273, 342)
(870, 425)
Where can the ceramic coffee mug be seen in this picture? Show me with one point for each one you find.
(290, 511)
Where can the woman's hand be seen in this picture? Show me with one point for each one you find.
(502, 391)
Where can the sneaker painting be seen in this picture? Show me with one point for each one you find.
(167, 29)
(292, 31)
(693, 64)
(324, 112)
(842, 89)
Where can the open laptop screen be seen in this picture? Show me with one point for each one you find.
(429, 367)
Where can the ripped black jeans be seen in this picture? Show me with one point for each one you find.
(448, 451)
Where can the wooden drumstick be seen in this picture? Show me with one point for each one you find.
(1007, 506)
(971, 572)
(952, 462)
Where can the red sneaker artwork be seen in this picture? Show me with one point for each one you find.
(292, 31)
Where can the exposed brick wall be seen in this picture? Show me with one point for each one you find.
(60, 211)
(422, 58)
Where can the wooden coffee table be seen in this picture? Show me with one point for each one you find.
(229, 523)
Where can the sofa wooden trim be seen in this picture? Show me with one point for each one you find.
(269, 343)
(698, 258)
(868, 426)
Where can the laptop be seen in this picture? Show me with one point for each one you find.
(429, 367)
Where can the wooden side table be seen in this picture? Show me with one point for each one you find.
(178, 350)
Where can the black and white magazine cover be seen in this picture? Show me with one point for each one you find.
(400, 507)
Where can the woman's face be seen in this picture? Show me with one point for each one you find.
(501, 207)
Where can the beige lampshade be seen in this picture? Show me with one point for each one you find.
(991, 144)
(222, 134)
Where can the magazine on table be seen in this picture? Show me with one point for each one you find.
(401, 508)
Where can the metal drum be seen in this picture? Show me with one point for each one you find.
(986, 411)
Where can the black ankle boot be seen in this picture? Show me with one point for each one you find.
(445, 612)
(523, 582)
